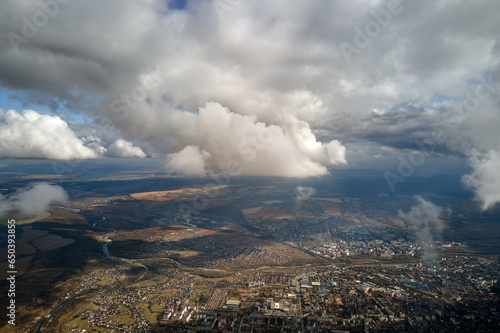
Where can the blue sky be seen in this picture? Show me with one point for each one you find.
(177, 4)
(9, 101)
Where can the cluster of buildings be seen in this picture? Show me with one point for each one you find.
(179, 308)
(255, 257)
(453, 294)
(217, 299)
(124, 301)
(338, 247)
(456, 293)
(90, 280)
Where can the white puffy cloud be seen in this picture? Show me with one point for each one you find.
(33, 135)
(122, 148)
(33, 199)
(336, 152)
(218, 139)
(189, 161)
(485, 178)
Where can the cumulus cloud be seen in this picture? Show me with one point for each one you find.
(122, 148)
(280, 65)
(33, 199)
(33, 135)
(187, 73)
(336, 152)
(485, 178)
(424, 220)
(189, 161)
(218, 139)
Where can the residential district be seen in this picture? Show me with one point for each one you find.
(458, 293)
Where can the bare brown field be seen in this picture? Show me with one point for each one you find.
(264, 212)
(50, 242)
(168, 228)
(371, 222)
(206, 232)
(399, 222)
(157, 196)
(173, 194)
(332, 208)
(63, 216)
(187, 254)
(252, 210)
(168, 233)
(149, 234)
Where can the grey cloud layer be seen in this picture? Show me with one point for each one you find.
(279, 63)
